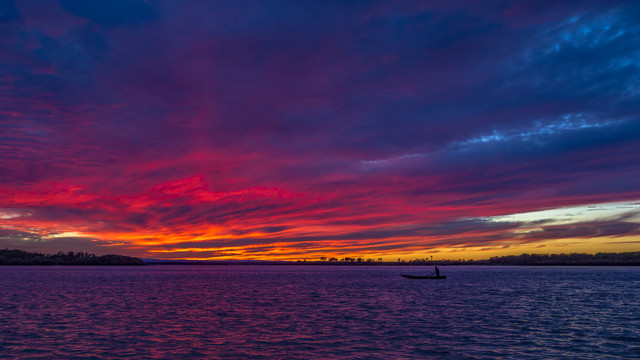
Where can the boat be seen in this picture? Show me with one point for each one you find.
(432, 277)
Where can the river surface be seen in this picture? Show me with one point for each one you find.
(319, 312)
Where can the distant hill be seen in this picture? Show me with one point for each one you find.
(19, 257)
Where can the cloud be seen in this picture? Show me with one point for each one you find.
(319, 127)
(590, 56)
(112, 13)
(8, 11)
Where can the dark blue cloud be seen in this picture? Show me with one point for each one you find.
(113, 12)
(8, 11)
(589, 56)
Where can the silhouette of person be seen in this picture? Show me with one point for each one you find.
(437, 271)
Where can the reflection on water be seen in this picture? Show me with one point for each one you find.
(177, 312)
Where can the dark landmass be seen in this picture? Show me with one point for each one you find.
(573, 259)
(625, 258)
(19, 257)
(221, 262)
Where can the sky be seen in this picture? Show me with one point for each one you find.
(289, 130)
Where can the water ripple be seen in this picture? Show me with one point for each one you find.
(264, 312)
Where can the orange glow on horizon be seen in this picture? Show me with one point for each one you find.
(297, 228)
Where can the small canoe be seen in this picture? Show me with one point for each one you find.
(432, 277)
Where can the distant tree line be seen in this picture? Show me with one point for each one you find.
(19, 257)
(349, 259)
(624, 258)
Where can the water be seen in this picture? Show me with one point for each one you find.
(319, 312)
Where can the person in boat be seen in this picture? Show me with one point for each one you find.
(437, 271)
